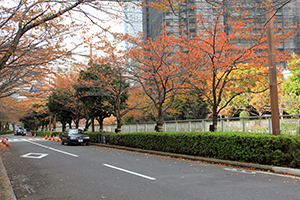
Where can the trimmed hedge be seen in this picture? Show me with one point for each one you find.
(6, 132)
(283, 150)
(43, 133)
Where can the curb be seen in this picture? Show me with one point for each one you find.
(6, 191)
(284, 170)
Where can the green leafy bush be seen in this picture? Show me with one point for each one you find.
(43, 133)
(283, 150)
(6, 132)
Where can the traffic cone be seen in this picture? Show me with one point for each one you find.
(34, 135)
(46, 137)
(53, 138)
(7, 143)
(4, 141)
(50, 137)
(58, 140)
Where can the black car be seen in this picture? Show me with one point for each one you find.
(74, 136)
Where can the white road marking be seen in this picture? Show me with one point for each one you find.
(130, 172)
(57, 150)
(24, 139)
(35, 155)
(261, 172)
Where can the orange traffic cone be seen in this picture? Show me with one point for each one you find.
(3, 138)
(34, 135)
(4, 141)
(7, 143)
(50, 137)
(53, 138)
(58, 140)
(46, 137)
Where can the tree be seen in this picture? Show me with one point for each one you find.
(41, 114)
(188, 106)
(92, 96)
(33, 34)
(217, 56)
(63, 102)
(291, 86)
(156, 68)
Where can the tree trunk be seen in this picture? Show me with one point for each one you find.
(70, 124)
(159, 123)
(215, 118)
(54, 123)
(87, 124)
(64, 126)
(100, 121)
(119, 125)
(77, 123)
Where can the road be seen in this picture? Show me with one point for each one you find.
(41, 169)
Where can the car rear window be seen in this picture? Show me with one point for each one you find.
(75, 131)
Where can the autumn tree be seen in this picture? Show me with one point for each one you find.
(34, 33)
(156, 68)
(218, 54)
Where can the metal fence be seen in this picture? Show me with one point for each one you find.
(289, 124)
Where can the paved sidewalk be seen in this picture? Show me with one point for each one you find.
(6, 191)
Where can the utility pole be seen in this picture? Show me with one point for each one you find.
(272, 70)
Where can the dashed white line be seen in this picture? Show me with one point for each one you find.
(57, 150)
(131, 172)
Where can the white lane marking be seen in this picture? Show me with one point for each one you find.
(262, 172)
(23, 139)
(70, 154)
(130, 172)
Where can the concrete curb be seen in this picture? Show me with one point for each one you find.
(284, 170)
(6, 191)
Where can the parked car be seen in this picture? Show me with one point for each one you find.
(19, 131)
(74, 136)
(27, 132)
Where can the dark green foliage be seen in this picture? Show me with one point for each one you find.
(6, 132)
(43, 133)
(283, 150)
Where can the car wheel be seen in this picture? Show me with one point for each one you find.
(87, 144)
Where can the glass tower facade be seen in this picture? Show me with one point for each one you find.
(133, 19)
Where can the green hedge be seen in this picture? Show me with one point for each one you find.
(43, 133)
(283, 150)
(6, 132)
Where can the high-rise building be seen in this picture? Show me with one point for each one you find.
(133, 19)
(184, 20)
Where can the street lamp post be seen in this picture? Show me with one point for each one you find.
(272, 71)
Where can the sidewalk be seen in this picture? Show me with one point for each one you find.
(6, 191)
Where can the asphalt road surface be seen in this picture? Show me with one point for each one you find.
(40, 169)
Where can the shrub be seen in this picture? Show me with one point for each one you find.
(282, 150)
